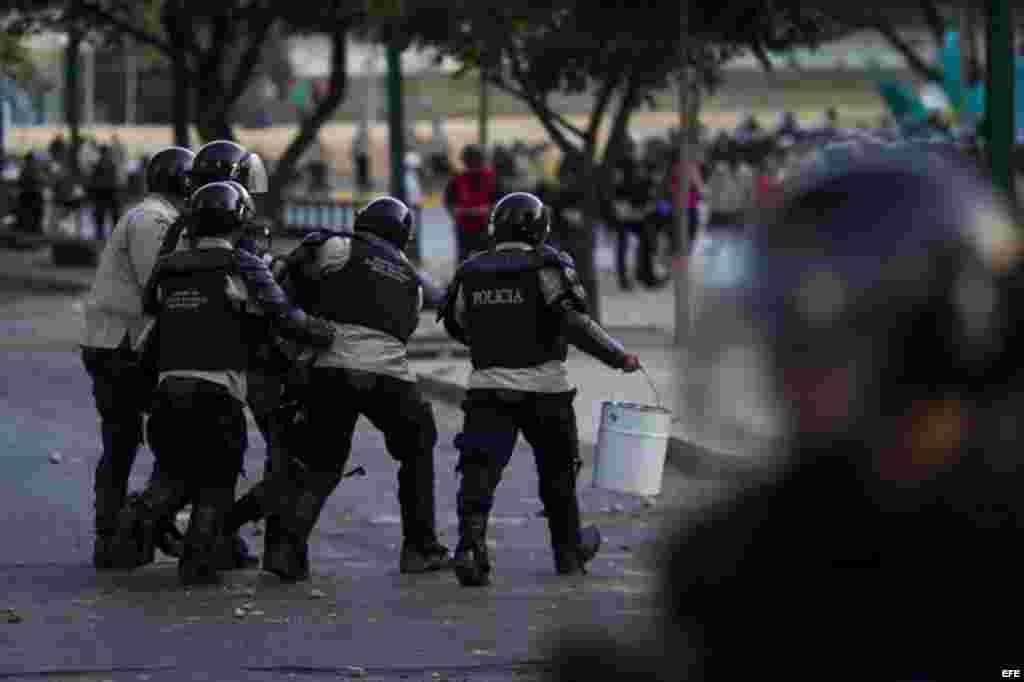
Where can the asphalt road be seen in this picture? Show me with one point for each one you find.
(358, 617)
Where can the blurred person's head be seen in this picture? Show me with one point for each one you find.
(473, 157)
(880, 293)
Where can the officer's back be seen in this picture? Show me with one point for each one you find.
(366, 286)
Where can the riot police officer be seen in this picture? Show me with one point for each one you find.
(517, 307)
(224, 160)
(197, 428)
(365, 285)
(113, 323)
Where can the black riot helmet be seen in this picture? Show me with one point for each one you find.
(168, 172)
(388, 218)
(219, 208)
(226, 160)
(519, 217)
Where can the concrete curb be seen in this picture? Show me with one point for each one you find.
(688, 458)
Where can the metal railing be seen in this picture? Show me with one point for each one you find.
(304, 215)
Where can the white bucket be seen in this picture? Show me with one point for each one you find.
(632, 441)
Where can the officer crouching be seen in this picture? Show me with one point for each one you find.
(365, 285)
(517, 307)
(205, 299)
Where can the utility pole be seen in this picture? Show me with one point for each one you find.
(131, 80)
(485, 105)
(73, 94)
(396, 119)
(89, 84)
(688, 109)
(999, 94)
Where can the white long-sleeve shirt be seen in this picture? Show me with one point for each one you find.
(113, 307)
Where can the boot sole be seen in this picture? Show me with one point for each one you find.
(287, 574)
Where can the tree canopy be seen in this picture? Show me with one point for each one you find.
(619, 52)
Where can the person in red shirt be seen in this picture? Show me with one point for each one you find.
(469, 198)
(769, 190)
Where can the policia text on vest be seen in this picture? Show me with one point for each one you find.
(497, 297)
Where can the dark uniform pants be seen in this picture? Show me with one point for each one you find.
(198, 433)
(337, 398)
(120, 390)
(493, 420)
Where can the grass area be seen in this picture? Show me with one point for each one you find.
(762, 93)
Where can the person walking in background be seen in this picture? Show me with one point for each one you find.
(469, 197)
(696, 194)
(769, 186)
(31, 181)
(438, 163)
(412, 166)
(104, 185)
(634, 202)
(361, 158)
(728, 194)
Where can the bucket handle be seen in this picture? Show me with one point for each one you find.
(650, 382)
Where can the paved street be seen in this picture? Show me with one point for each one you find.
(358, 616)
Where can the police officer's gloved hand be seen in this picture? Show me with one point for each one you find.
(631, 363)
(248, 244)
(278, 266)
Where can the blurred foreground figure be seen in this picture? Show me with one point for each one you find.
(881, 550)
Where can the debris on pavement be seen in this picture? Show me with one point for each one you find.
(11, 616)
(56, 457)
(317, 594)
(355, 671)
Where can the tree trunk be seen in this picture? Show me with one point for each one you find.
(73, 96)
(310, 127)
(212, 121)
(182, 111)
(587, 246)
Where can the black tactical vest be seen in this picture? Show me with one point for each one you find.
(507, 320)
(200, 327)
(377, 288)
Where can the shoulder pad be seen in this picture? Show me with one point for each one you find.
(318, 237)
(561, 260)
(553, 256)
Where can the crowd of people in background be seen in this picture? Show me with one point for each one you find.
(732, 175)
(105, 182)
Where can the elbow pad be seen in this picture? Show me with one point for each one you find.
(583, 332)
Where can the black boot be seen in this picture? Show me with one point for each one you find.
(169, 539)
(572, 560)
(471, 562)
(286, 544)
(423, 557)
(121, 438)
(207, 548)
(249, 508)
(141, 519)
(239, 556)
